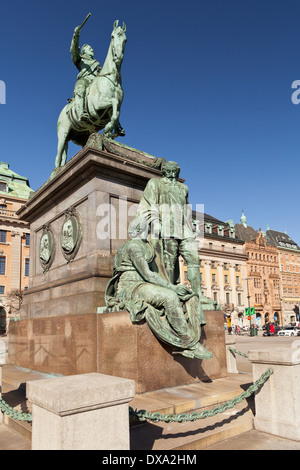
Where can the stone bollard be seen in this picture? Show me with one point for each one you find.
(277, 404)
(231, 357)
(2, 363)
(80, 412)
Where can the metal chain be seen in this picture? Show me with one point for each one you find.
(237, 352)
(144, 415)
(8, 410)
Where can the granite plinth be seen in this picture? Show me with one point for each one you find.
(110, 344)
(104, 190)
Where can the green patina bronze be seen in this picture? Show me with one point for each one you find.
(138, 287)
(97, 96)
(146, 271)
(165, 205)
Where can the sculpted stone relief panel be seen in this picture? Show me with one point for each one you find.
(70, 240)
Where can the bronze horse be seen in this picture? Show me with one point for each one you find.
(104, 97)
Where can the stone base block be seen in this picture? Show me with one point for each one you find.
(277, 405)
(110, 344)
(67, 412)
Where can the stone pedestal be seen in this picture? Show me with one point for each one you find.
(94, 196)
(103, 190)
(277, 404)
(110, 344)
(82, 412)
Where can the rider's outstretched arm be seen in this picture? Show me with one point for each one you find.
(75, 49)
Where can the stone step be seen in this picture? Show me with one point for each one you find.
(199, 434)
(12, 440)
(196, 435)
(23, 428)
(14, 394)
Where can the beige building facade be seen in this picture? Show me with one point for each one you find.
(264, 280)
(263, 276)
(289, 266)
(14, 244)
(223, 268)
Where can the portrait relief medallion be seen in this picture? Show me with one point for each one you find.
(47, 247)
(71, 234)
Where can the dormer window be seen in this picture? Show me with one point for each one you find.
(208, 227)
(221, 230)
(3, 186)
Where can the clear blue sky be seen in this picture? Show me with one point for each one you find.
(207, 83)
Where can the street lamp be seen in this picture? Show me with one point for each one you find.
(248, 297)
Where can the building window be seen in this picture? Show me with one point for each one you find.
(221, 230)
(239, 298)
(213, 278)
(2, 289)
(2, 236)
(257, 282)
(3, 186)
(26, 266)
(237, 278)
(27, 239)
(208, 227)
(227, 298)
(226, 279)
(2, 320)
(2, 264)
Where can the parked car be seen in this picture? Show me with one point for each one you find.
(289, 331)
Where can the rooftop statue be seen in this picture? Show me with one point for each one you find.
(97, 95)
(138, 287)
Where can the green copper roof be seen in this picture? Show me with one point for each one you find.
(17, 186)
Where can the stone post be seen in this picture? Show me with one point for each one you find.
(230, 357)
(80, 412)
(2, 363)
(277, 404)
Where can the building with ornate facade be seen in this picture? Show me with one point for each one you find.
(222, 267)
(14, 243)
(263, 277)
(289, 264)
